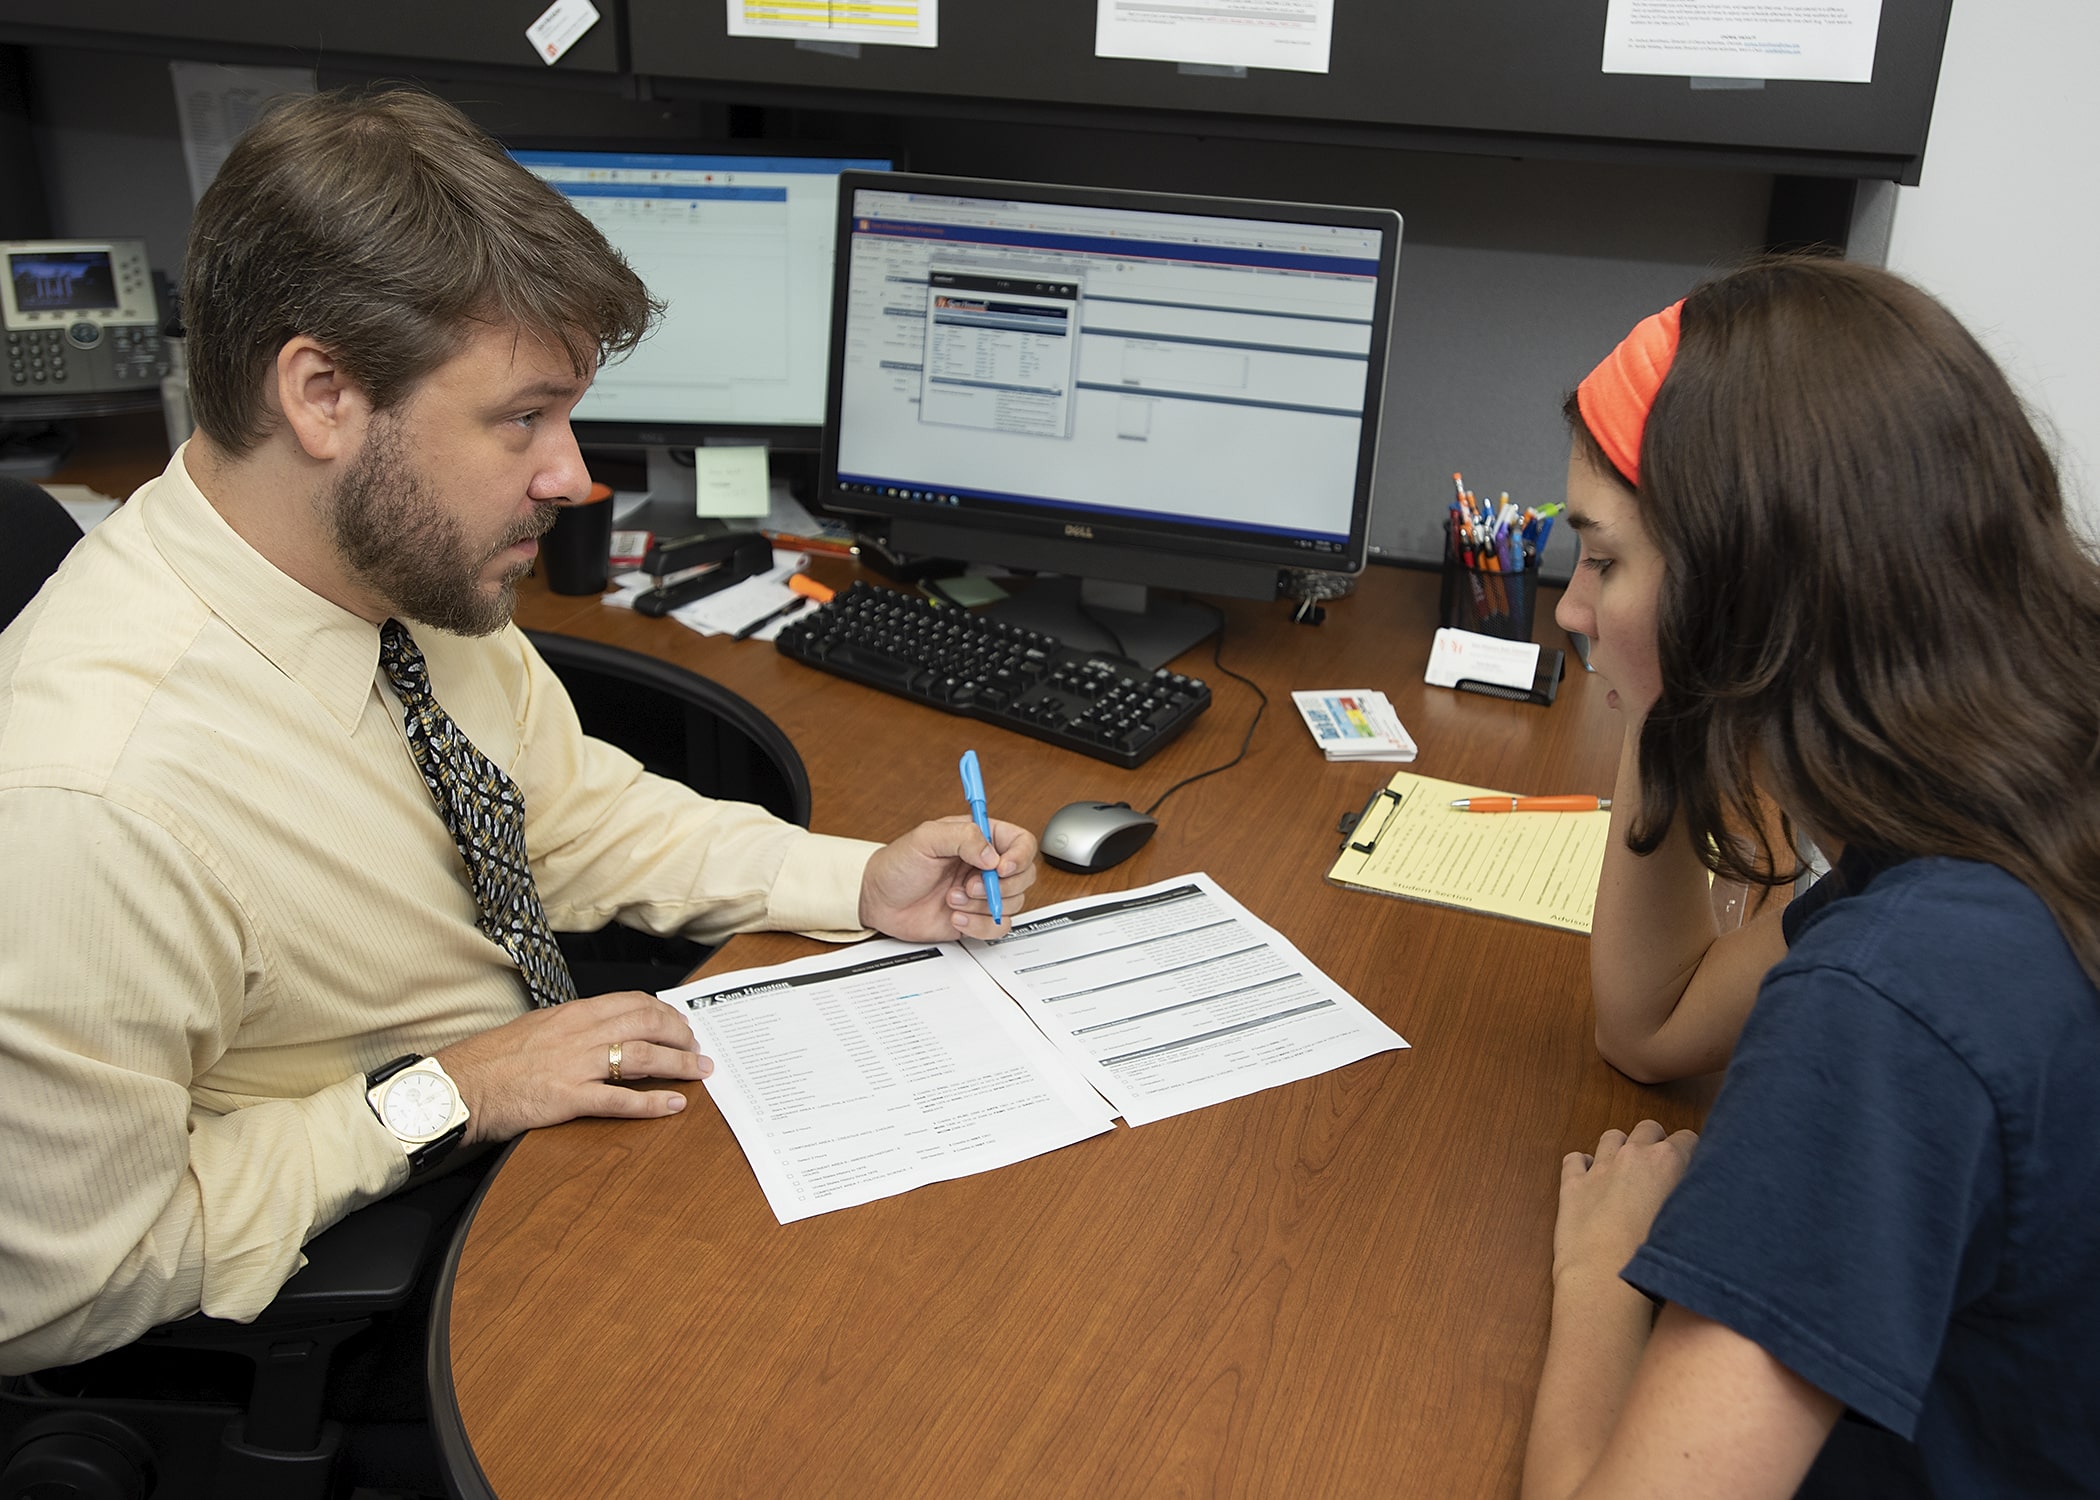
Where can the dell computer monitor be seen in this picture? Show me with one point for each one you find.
(1121, 388)
(737, 243)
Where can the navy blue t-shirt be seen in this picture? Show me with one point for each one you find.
(1898, 1191)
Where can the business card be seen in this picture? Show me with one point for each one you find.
(1463, 656)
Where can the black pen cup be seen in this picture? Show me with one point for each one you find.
(576, 554)
(1488, 601)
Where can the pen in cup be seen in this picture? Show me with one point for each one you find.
(973, 793)
(1568, 803)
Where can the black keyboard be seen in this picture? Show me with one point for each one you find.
(1019, 679)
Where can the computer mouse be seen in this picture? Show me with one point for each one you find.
(1090, 836)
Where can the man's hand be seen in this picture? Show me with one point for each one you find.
(928, 886)
(552, 1065)
(1608, 1201)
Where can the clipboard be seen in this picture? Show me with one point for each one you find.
(1411, 843)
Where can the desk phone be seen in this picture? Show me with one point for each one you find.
(80, 318)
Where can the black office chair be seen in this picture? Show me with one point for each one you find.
(683, 726)
(38, 533)
(208, 1408)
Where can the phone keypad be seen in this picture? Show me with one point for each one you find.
(37, 357)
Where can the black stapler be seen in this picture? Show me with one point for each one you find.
(703, 562)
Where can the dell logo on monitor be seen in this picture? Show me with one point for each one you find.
(1084, 533)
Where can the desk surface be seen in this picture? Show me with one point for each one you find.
(1334, 1288)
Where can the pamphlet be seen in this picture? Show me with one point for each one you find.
(1355, 724)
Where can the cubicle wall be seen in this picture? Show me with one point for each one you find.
(1548, 205)
(1482, 75)
(489, 32)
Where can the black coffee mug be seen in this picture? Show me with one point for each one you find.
(576, 553)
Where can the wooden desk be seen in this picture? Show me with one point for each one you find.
(1335, 1288)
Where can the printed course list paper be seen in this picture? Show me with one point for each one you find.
(1176, 997)
(855, 1075)
(1805, 40)
(892, 23)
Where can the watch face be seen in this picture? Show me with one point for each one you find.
(417, 1104)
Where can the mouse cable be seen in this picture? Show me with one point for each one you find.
(1217, 649)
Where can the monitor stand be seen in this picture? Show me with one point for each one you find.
(1149, 629)
(670, 506)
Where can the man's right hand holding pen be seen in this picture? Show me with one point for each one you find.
(929, 886)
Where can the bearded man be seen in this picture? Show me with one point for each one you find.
(291, 810)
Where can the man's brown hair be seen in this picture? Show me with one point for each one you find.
(384, 226)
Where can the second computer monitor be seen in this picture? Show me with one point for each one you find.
(737, 242)
(1125, 388)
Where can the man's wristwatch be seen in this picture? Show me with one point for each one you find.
(419, 1103)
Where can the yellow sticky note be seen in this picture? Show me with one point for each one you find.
(730, 482)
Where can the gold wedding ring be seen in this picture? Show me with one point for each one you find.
(612, 1064)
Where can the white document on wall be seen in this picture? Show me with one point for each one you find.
(1176, 997)
(1819, 40)
(216, 104)
(890, 23)
(1290, 34)
(875, 1069)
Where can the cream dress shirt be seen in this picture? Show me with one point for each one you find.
(225, 894)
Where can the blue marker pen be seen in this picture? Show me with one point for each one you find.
(973, 793)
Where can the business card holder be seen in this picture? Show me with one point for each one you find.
(1545, 682)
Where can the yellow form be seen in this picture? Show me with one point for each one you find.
(1536, 867)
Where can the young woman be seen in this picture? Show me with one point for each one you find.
(1825, 560)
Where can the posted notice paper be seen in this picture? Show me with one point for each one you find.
(892, 23)
(1830, 41)
(882, 1067)
(1291, 34)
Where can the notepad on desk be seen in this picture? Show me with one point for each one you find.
(1411, 842)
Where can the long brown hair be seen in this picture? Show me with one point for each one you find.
(1872, 600)
(384, 226)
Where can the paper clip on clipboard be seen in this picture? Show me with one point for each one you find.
(1385, 799)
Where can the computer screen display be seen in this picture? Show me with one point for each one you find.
(738, 245)
(1146, 388)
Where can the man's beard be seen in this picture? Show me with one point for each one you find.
(398, 540)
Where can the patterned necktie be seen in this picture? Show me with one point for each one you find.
(485, 813)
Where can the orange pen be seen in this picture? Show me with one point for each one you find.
(1533, 804)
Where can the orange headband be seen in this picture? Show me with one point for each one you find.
(1615, 398)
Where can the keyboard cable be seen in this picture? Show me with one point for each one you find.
(1217, 649)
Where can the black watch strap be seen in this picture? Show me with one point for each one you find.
(430, 1153)
(385, 1071)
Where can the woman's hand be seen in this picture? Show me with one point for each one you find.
(1609, 1198)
